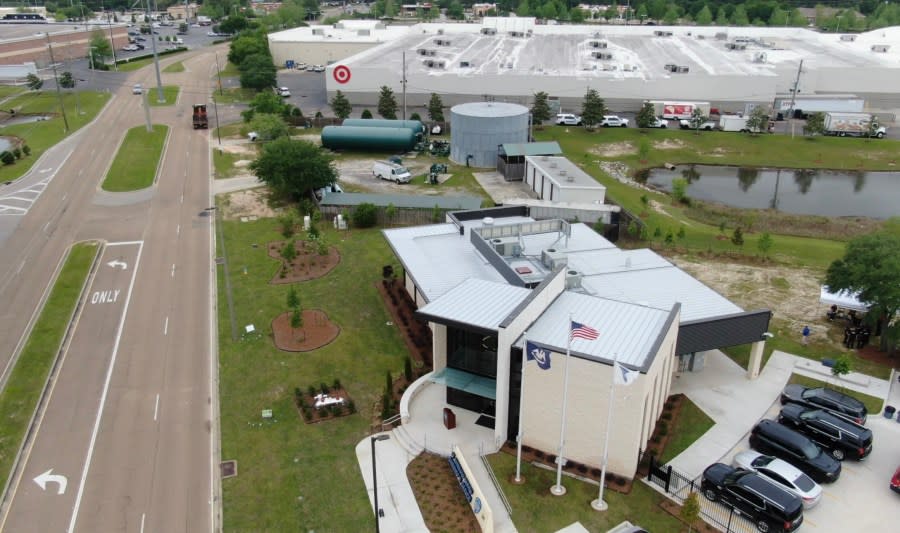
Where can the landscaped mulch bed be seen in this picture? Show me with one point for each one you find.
(316, 331)
(306, 266)
(416, 334)
(440, 499)
(305, 400)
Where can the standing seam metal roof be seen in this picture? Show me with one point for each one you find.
(479, 303)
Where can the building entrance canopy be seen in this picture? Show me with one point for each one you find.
(464, 381)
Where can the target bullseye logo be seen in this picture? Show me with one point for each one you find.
(341, 74)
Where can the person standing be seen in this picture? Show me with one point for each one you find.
(805, 335)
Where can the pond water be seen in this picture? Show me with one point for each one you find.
(5, 144)
(799, 191)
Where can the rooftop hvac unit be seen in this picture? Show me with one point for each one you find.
(318, 31)
(881, 48)
(599, 44)
(573, 279)
(516, 34)
(609, 68)
(488, 31)
(602, 55)
(506, 246)
(681, 69)
(338, 25)
(553, 259)
(759, 57)
(848, 38)
(721, 36)
(671, 67)
(363, 33)
(466, 64)
(628, 68)
(440, 31)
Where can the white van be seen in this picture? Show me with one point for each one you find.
(386, 170)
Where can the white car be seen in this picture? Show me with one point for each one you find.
(568, 119)
(137, 89)
(301, 66)
(659, 122)
(781, 473)
(613, 121)
(283, 91)
(130, 48)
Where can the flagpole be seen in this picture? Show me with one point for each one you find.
(558, 489)
(599, 504)
(518, 479)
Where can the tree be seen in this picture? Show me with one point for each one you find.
(690, 510)
(540, 111)
(296, 318)
(266, 102)
(815, 124)
(758, 120)
(643, 152)
(415, 116)
(671, 16)
(99, 45)
(257, 72)
(646, 116)
(365, 114)
(289, 251)
(233, 24)
(292, 168)
(365, 215)
(269, 127)
(697, 119)
(679, 190)
(455, 10)
(779, 17)
(33, 82)
(797, 19)
(871, 268)
(592, 109)
(841, 366)
(66, 80)
(246, 45)
(293, 299)
(576, 16)
(765, 243)
(704, 16)
(435, 108)
(340, 105)
(721, 17)
(737, 238)
(387, 103)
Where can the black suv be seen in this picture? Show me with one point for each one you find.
(840, 437)
(769, 506)
(827, 399)
(772, 438)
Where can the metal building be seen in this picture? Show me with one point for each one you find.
(478, 129)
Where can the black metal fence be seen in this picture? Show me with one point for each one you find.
(679, 486)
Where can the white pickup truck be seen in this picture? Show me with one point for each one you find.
(708, 125)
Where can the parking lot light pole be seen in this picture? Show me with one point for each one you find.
(375, 479)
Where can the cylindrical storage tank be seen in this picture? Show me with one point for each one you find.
(414, 125)
(368, 139)
(477, 129)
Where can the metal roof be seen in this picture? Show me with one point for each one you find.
(535, 148)
(628, 332)
(401, 201)
(564, 173)
(489, 109)
(475, 302)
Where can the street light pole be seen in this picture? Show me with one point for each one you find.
(375, 479)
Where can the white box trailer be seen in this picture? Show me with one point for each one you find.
(833, 104)
(851, 125)
(739, 123)
(678, 110)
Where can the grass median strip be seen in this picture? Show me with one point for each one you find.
(175, 67)
(26, 382)
(135, 164)
(170, 95)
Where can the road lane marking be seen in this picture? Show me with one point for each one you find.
(182, 197)
(156, 407)
(109, 373)
(166, 327)
(21, 266)
(143, 516)
(173, 270)
(178, 230)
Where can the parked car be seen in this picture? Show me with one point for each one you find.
(613, 121)
(137, 89)
(301, 66)
(772, 438)
(782, 473)
(283, 91)
(568, 119)
(139, 46)
(841, 437)
(895, 481)
(767, 505)
(828, 399)
(130, 48)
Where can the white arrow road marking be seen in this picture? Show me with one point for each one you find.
(46, 170)
(116, 263)
(42, 480)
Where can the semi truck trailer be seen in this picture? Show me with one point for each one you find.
(852, 125)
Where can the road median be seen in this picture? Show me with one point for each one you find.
(137, 159)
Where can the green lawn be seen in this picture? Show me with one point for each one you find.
(170, 95)
(282, 461)
(40, 136)
(7, 91)
(23, 390)
(135, 65)
(224, 163)
(137, 159)
(873, 404)
(691, 425)
(534, 509)
(229, 70)
(231, 130)
(174, 68)
(234, 95)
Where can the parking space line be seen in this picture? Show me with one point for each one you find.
(166, 327)
(156, 408)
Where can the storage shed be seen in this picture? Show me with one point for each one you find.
(477, 130)
(511, 157)
(559, 180)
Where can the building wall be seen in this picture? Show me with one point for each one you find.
(316, 53)
(543, 185)
(635, 408)
(67, 46)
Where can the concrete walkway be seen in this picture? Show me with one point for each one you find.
(736, 404)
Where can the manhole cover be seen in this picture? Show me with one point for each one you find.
(228, 469)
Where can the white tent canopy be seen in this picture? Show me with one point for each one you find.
(842, 299)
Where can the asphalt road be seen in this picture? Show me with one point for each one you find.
(130, 422)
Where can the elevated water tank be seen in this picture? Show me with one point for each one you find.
(477, 129)
(368, 138)
(414, 125)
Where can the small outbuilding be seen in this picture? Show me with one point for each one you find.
(559, 180)
(511, 157)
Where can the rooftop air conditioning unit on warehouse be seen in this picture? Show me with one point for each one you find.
(553, 258)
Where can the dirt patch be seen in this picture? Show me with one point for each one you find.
(316, 331)
(614, 149)
(669, 144)
(308, 137)
(238, 148)
(249, 203)
(358, 174)
(441, 500)
(718, 152)
(308, 263)
(658, 207)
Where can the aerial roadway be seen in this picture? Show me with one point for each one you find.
(127, 437)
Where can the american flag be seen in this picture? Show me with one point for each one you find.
(581, 331)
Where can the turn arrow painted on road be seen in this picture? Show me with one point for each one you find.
(116, 263)
(61, 480)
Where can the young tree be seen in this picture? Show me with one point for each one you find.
(435, 108)
(815, 124)
(289, 251)
(721, 17)
(455, 10)
(292, 168)
(643, 152)
(266, 102)
(415, 116)
(296, 318)
(779, 17)
(293, 299)
(340, 105)
(258, 72)
(99, 45)
(524, 9)
(679, 190)
(739, 16)
(870, 267)
(387, 103)
(671, 16)
(269, 127)
(540, 111)
(592, 109)
(737, 238)
(758, 121)
(690, 510)
(704, 16)
(33, 82)
(765, 243)
(697, 119)
(646, 116)
(841, 367)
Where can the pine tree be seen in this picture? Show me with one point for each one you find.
(540, 111)
(646, 116)
(592, 109)
(435, 108)
(340, 105)
(387, 103)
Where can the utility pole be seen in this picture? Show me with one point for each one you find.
(403, 81)
(159, 91)
(216, 111)
(794, 97)
(112, 42)
(219, 74)
(56, 79)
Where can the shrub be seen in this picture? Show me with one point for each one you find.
(26, 150)
(351, 407)
(17, 152)
(737, 238)
(311, 390)
(366, 114)
(307, 413)
(365, 215)
(7, 158)
(324, 387)
(336, 384)
(666, 416)
(620, 481)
